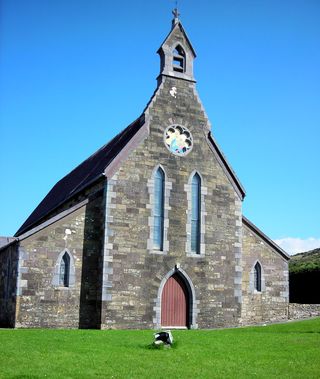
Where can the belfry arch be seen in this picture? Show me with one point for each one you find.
(177, 282)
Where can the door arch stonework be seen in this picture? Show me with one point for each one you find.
(192, 302)
(175, 303)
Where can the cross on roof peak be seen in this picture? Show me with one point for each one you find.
(176, 13)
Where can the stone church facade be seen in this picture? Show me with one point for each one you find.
(148, 232)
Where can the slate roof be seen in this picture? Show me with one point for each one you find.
(82, 176)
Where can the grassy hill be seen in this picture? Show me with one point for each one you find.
(304, 262)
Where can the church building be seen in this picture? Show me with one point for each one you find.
(148, 232)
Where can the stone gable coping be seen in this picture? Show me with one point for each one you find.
(52, 220)
(178, 24)
(266, 239)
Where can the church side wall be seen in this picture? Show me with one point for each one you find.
(134, 271)
(271, 304)
(41, 301)
(8, 283)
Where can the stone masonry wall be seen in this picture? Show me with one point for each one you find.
(41, 301)
(271, 304)
(300, 311)
(8, 283)
(134, 272)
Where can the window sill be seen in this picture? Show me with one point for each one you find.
(194, 255)
(158, 252)
(61, 288)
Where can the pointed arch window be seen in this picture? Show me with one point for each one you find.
(64, 273)
(195, 213)
(257, 277)
(179, 58)
(158, 210)
(64, 270)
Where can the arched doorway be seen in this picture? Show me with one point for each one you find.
(175, 304)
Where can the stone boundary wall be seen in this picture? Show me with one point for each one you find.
(8, 273)
(299, 311)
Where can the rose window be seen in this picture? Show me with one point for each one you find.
(178, 140)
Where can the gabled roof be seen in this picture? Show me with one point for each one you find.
(178, 25)
(82, 176)
(265, 238)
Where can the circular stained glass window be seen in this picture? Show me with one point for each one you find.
(178, 140)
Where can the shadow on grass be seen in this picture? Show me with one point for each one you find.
(153, 346)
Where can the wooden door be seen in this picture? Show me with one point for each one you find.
(174, 303)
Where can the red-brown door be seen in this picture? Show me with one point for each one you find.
(174, 303)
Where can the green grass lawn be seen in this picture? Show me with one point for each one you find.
(289, 350)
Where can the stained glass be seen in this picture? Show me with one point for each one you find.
(178, 140)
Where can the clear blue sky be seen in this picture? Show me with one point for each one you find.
(74, 73)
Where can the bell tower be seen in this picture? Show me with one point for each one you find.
(176, 53)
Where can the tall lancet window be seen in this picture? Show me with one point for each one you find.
(257, 277)
(158, 210)
(179, 58)
(64, 273)
(195, 213)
